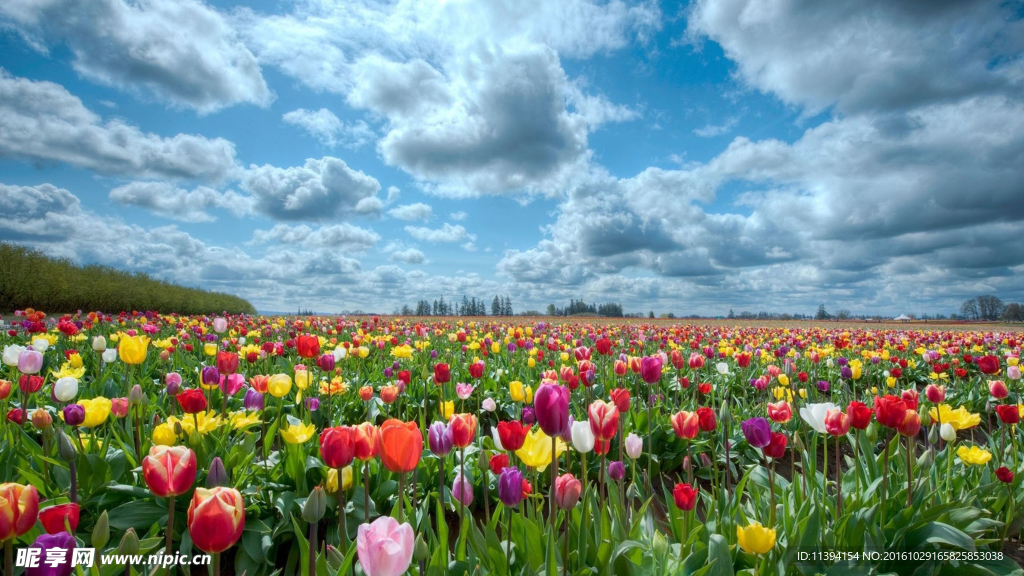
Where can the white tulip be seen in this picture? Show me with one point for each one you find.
(40, 344)
(241, 340)
(634, 446)
(220, 325)
(339, 353)
(814, 415)
(947, 432)
(489, 405)
(110, 355)
(582, 437)
(99, 344)
(722, 368)
(11, 353)
(65, 389)
(497, 438)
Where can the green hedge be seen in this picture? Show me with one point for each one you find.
(30, 279)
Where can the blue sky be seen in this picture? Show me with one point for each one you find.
(690, 157)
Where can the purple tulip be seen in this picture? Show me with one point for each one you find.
(567, 433)
(846, 373)
(529, 416)
(823, 386)
(757, 432)
(510, 486)
(253, 400)
(650, 369)
(462, 490)
(439, 436)
(551, 403)
(388, 372)
(172, 378)
(842, 361)
(49, 544)
(326, 362)
(312, 404)
(616, 470)
(74, 414)
(211, 376)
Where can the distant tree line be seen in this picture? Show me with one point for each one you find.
(500, 306)
(575, 307)
(31, 279)
(989, 307)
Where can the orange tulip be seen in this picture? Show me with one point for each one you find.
(365, 442)
(19, 508)
(463, 429)
(400, 445)
(685, 424)
(216, 518)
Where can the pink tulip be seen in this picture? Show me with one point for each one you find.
(384, 547)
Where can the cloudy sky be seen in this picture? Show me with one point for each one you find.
(746, 154)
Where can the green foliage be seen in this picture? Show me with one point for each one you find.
(30, 279)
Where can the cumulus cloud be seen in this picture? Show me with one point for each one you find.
(182, 51)
(408, 256)
(41, 121)
(323, 125)
(445, 234)
(411, 212)
(321, 189)
(166, 199)
(870, 55)
(342, 236)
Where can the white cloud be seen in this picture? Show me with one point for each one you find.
(323, 125)
(182, 51)
(458, 216)
(176, 203)
(447, 233)
(319, 190)
(342, 236)
(41, 121)
(411, 212)
(712, 130)
(408, 256)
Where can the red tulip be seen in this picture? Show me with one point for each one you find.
(227, 363)
(337, 446)
(911, 424)
(19, 508)
(1008, 413)
(604, 419)
(1004, 474)
(620, 396)
(476, 369)
(860, 415)
(567, 491)
(910, 398)
(935, 394)
(307, 346)
(192, 401)
(890, 411)
(998, 390)
(706, 419)
(442, 374)
(776, 447)
(169, 470)
(498, 462)
(685, 496)
(988, 364)
(216, 518)
(512, 435)
(463, 429)
(400, 445)
(52, 518)
(650, 369)
(685, 424)
(604, 346)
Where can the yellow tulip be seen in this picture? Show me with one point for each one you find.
(298, 433)
(242, 419)
(447, 409)
(959, 419)
(96, 411)
(132, 349)
(208, 422)
(529, 394)
(363, 351)
(163, 435)
(279, 385)
(783, 380)
(302, 379)
(531, 362)
(332, 479)
(335, 386)
(755, 538)
(210, 349)
(973, 455)
(75, 360)
(517, 391)
(536, 450)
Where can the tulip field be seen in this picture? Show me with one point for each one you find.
(384, 446)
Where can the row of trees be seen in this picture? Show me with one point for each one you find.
(575, 307)
(989, 307)
(31, 279)
(500, 306)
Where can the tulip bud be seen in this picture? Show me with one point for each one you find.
(178, 430)
(947, 432)
(41, 419)
(724, 416)
(135, 396)
(334, 558)
(218, 475)
(924, 461)
(871, 432)
(101, 532)
(933, 435)
(926, 418)
(316, 505)
(129, 545)
(420, 551)
(64, 447)
(660, 545)
(483, 460)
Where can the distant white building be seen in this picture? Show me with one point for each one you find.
(902, 318)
